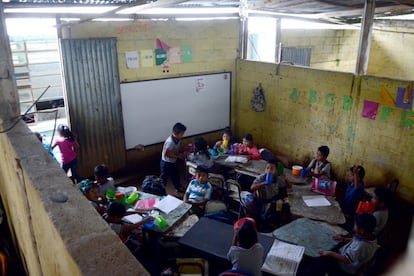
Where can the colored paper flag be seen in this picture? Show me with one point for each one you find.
(370, 110)
(161, 45)
(386, 98)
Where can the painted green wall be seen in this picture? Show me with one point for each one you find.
(306, 108)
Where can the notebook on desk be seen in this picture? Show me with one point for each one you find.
(283, 258)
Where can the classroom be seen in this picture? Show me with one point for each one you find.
(359, 103)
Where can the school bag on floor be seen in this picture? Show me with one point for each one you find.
(153, 185)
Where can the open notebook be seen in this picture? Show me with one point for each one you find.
(283, 258)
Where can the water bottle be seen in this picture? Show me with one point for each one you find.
(132, 198)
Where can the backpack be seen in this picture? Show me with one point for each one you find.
(153, 185)
(252, 206)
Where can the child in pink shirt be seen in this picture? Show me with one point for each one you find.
(248, 148)
(68, 147)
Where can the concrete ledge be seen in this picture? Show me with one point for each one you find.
(54, 238)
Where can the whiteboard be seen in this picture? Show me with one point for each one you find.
(151, 108)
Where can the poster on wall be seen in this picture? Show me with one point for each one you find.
(174, 55)
(147, 58)
(160, 56)
(370, 110)
(132, 60)
(186, 54)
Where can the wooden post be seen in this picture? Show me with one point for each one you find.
(9, 102)
(365, 38)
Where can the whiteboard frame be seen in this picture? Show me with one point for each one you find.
(138, 107)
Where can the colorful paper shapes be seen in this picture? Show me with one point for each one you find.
(404, 97)
(161, 45)
(174, 55)
(186, 54)
(370, 110)
(160, 56)
(386, 98)
(147, 58)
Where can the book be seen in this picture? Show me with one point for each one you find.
(146, 204)
(134, 218)
(283, 258)
(168, 203)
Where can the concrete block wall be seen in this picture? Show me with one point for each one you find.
(214, 48)
(331, 49)
(306, 108)
(55, 238)
(392, 53)
(214, 45)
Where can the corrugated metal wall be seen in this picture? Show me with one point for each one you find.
(94, 102)
(296, 56)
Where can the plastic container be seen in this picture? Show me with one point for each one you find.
(110, 194)
(120, 197)
(160, 222)
(296, 170)
(269, 178)
(132, 198)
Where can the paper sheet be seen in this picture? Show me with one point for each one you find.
(168, 203)
(132, 60)
(237, 159)
(316, 201)
(134, 218)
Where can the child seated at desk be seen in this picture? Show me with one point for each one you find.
(246, 253)
(198, 191)
(320, 166)
(104, 182)
(354, 191)
(130, 234)
(268, 194)
(201, 156)
(248, 148)
(225, 145)
(353, 255)
(382, 200)
(91, 192)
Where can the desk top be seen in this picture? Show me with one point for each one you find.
(214, 238)
(173, 216)
(314, 236)
(331, 214)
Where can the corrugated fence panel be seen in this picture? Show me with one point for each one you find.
(93, 101)
(296, 56)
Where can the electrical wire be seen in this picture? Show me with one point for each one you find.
(25, 113)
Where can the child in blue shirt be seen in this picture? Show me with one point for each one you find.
(170, 154)
(198, 191)
(353, 255)
(354, 191)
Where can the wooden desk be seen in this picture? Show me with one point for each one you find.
(331, 214)
(172, 217)
(313, 235)
(214, 238)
